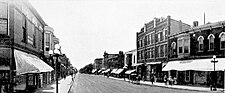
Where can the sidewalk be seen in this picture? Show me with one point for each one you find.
(64, 86)
(183, 87)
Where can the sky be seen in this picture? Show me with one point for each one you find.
(87, 28)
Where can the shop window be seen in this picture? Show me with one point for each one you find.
(222, 40)
(187, 75)
(211, 41)
(200, 43)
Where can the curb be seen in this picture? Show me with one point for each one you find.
(70, 86)
(172, 87)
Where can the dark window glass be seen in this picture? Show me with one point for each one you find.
(222, 44)
(180, 50)
(24, 26)
(186, 49)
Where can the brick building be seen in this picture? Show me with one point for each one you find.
(190, 58)
(98, 63)
(113, 60)
(152, 45)
(21, 46)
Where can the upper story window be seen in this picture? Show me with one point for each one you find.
(156, 37)
(211, 38)
(161, 36)
(3, 17)
(152, 38)
(186, 45)
(222, 40)
(200, 43)
(162, 50)
(173, 46)
(180, 46)
(24, 26)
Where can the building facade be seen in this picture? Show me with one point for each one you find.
(22, 40)
(111, 61)
(152, 45)
(196, 47)
(130, 59)
(98, 63)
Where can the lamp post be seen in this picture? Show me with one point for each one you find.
(56, 53)
(214, 75)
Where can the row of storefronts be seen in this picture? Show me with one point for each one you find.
(187, 55)
(25, 40)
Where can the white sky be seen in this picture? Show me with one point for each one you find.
(87, 28)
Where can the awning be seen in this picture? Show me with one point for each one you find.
(27, 63)
(138, 64)
(94, 70)
(130, 71)
(153, 63)
(114, 70)
(119, 71)
(106, 71)
(198, 65)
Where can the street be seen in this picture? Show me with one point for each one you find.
(85, 83)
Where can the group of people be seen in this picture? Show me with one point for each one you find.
(169, 80)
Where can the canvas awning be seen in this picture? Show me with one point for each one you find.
(130, 71)
(153, 63)
(28, 63)
(106, 71)
(119, 71)
(114, 70)
(94, 70)
(198, 65)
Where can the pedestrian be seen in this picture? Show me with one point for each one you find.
(170, 80)
(71, 74)
(152, 78)
(165, 79)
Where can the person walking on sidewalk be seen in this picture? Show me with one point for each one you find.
(71, 74)
(165, 79)
(152, 78)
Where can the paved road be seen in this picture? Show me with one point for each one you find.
(98, 84)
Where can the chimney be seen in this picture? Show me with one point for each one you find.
(195, 23)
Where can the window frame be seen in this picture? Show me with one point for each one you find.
(199, 44)
(220, 36)
(173, 45)
(5, 19)
(211, 48)
(180, 46)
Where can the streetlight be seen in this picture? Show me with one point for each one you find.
(56, 53)
(214, 75)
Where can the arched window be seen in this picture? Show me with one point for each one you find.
(222, 40)
(211, 41)
(200, 43)
(173, 46)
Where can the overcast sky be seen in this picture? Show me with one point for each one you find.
(87, 28)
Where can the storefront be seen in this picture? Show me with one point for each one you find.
(33, 68)
(197, 72)
(154, 68)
